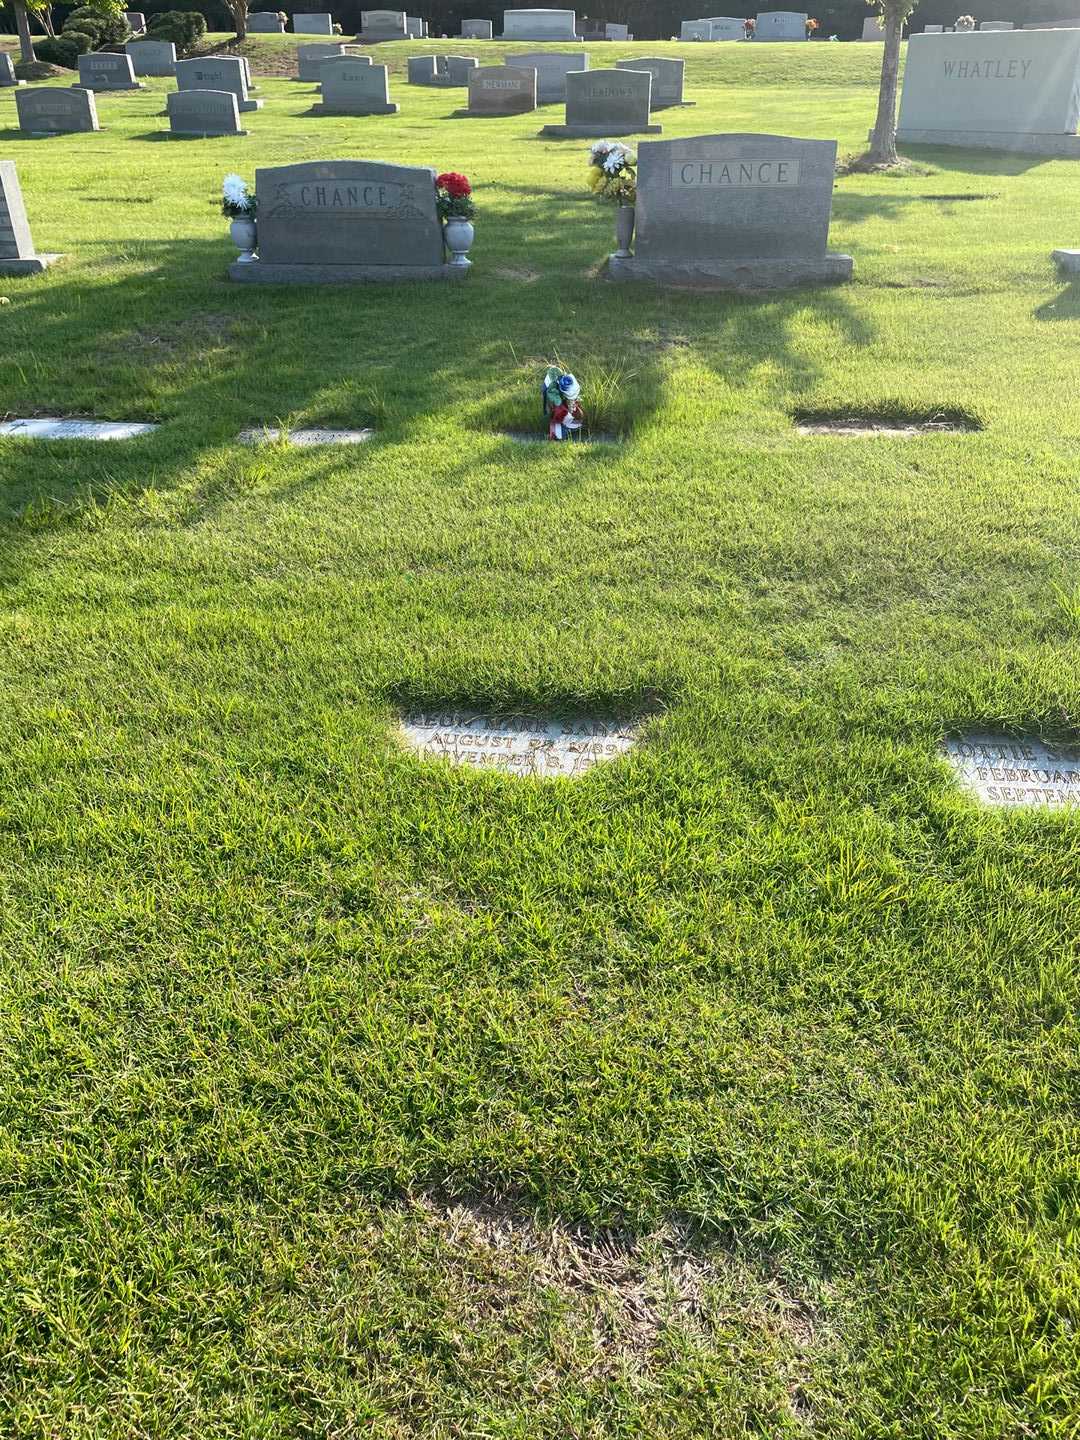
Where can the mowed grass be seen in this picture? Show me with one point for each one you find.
(729, 1091)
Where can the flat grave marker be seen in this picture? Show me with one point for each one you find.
(996, 25)
(606, 102)
(1015, 772)
(203, 113)
(51, 427)
(265, 22)
(540, 747)
(304, 439)
(49, 110)
(738, 211)
(349, 88)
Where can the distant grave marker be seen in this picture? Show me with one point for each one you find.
(8, 77)
(539, 25)
(996, 25)
(152, 57)
(540, 747)
(17, 253)
(552, 68)
(780, 25)
(314, 23)
(606, 102)
(310, 57)
(476, 30)
(265, 22)
(726, 27)
(352, 88)
(502, 90)
(102, 71)
(203, 113)
(617, 32)
(49, 110)
(695, 30)
(136, 21)
(1002, 770)
(734, 212)
(872, 28)
(378, 25)
(217, 72)
(667, 79)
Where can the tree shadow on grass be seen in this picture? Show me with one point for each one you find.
(974, 161)
(855, 209)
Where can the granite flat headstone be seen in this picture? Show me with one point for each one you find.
(48, 110)
(667, 79)
(102, 71)
(152, 57)
(54, 427)
(1013, 90)
(265, 22)
(606, 102)
(217, 72)
(340, 221)
(552, 68)
(203, 112)
(539, 25)
(17, 253)
(315, 23)
(383, 25)
(780, 25)
(1004, 770)
(7, 71)
(734, 211)
(537, 746)
(502, 90)
(476, 29)
(351, 88)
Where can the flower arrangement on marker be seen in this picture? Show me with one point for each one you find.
(453, 196)
(749, 26)
(965, 22)
(811, 26)
(613, 172)
(237, 201)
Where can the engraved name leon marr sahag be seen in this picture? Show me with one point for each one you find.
(693, 174)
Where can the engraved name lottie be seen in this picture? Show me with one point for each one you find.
(701, 174)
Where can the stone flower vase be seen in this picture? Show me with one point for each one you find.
(459, 235)
(243, 235)
(624, 230)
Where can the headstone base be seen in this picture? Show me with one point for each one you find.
(1067, 261)
(204, 134)
(830, 269)
(109, 89)
(584, 132)
(1066, 145)
(33, 266)
(256, 272)
(672, 104)
(243, 105)
(391, 109)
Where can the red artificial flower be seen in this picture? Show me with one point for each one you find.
(454, 184)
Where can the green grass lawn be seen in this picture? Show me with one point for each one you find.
(731, 1090)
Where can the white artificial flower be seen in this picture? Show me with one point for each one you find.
(235, 190)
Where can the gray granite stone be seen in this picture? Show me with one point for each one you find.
(726, 27)
(349, 88)
(1067, 261)
(541, 746)
(203, 112)
(502, 90)
(996, 25)
(304, 439)
(742, 211)
(341, 221)
(8, 77)
(667, 79)
(378, 25)
(967, 86)
(1065, 147)
(1015, 771)
(606, 102)
(933, 29)
(872, 28)
(476, 29)
(265, 22)
(780, 25)
(617, 32)
(1047, 25)
(217, 72)
(459, 68)
(315, 23)
(136, 21)
(695, 30)
(539, 25)
(152, 57)
(17, 253)
(415, 27)
(552, 68)
(422, 70)
(48, 110)
(102, 71)
(310, 57)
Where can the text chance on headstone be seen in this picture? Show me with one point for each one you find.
(1003, 770)
(780, 25)
(540, 746)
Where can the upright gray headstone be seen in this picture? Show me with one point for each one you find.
(476, 29)
(667, 79)
(780, 25)
(203, 112)
(49, 110)
(459, 68)
(552, 68)
(136, 21)
(1014, 90)
(933, 29)
(695, 30)
(17, 253)
(310, 57)
(334, 221)
(606, 102)
(872, 28)
(414, 26)
(616, 32)
(152, 57)
(422, 70)
(265, 22)
(217, 72)
(383, 25)
(102, 71)
(726, 27)
(502, 90)
(7, 71)
(539, 25)
(316, 23)
(352, 85)
(734, 211)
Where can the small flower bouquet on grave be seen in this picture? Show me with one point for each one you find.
(613, 172)
(237, 201)
(811, 26)
(453, 196)
(749, 26)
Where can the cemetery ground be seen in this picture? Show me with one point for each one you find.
(729, 1090)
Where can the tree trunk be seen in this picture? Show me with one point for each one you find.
(240, 13)
(883, 141)
(22, 26)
